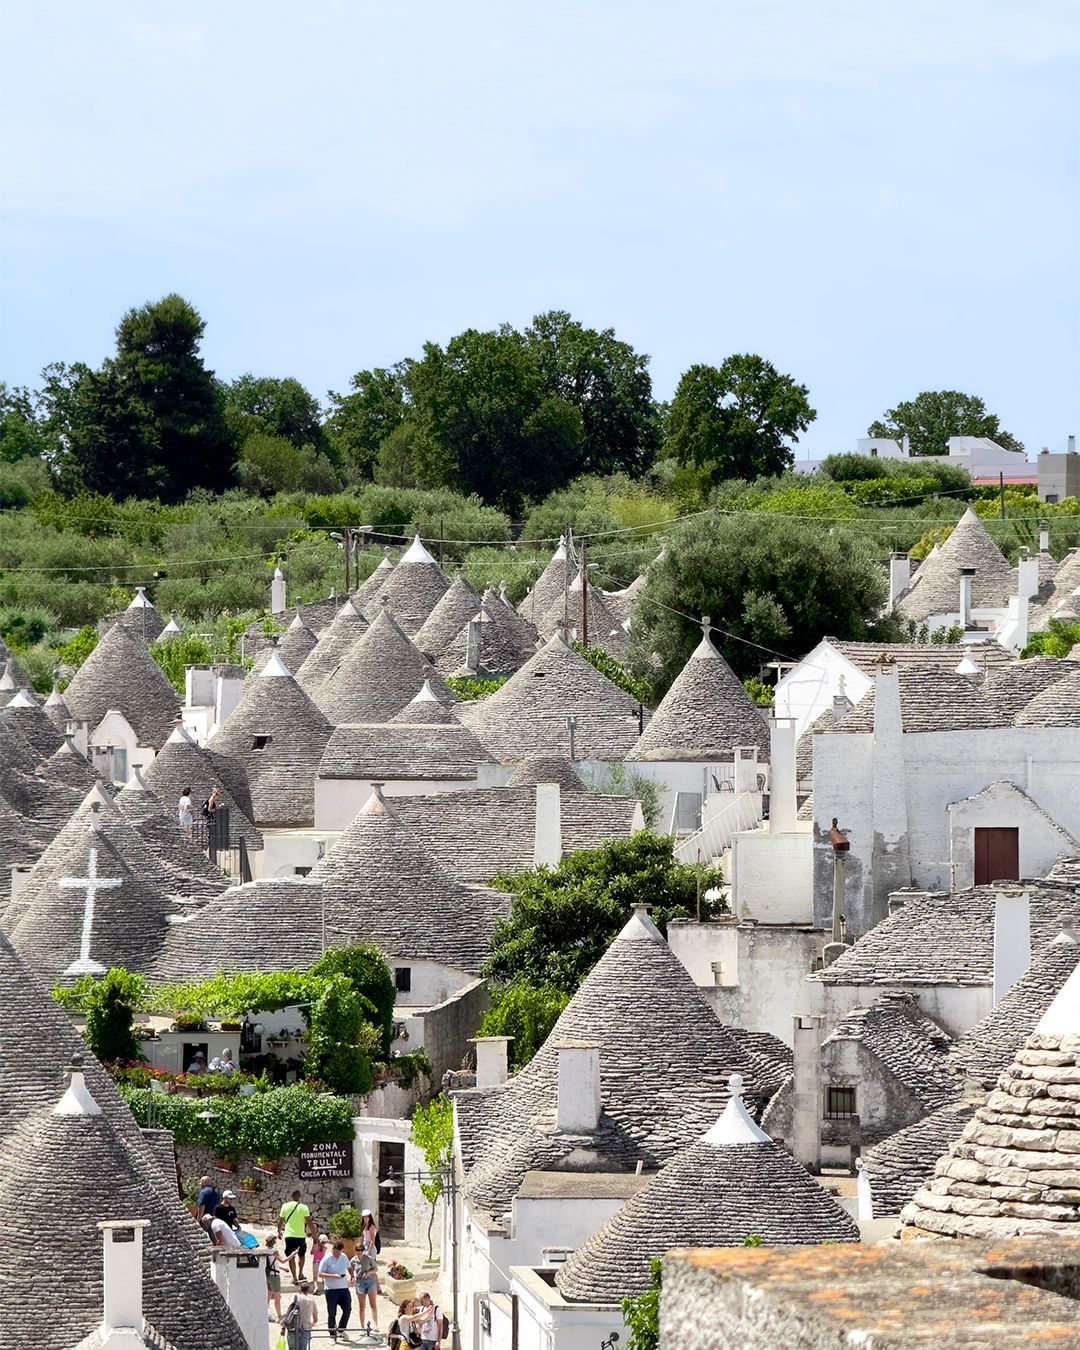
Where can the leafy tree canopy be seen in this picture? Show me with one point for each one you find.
(525, 1012)
(360, 421)
(272, 407)
(931, 418)
(563, 919)
(738, 420)
(769, 580)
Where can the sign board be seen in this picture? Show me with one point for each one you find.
(326, 1161)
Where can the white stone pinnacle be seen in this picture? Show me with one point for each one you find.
(77, 1100)
(417, 553)
(735, 1125)
(275, 668)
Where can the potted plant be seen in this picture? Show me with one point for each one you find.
(248, 1184)
(346, 1225)
(186, 1021)
(267, 1165)
(400, 1283)
(191, 1194)
(225, 1164)
(230, 1024)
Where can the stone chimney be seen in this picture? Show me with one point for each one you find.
(472, 646)
(782, 805)
(899, 576)
(891, 861)
(1012, 940)
(746, 769)
(1027, 574)
(967, 576)
(547, 839)
(492, 1060)
(1072, 445)
(578, 1110)
(1044, 536)
(277, 593)
(806, 1096)
(122, 1323)
(239, 1275)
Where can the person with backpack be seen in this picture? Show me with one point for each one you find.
(403, 1333)
(434, 1327)
(369, 1234)
(300, 1318)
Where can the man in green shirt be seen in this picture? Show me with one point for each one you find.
(295, 1224)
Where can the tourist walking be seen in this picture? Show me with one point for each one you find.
(334, 1274)
(403, 1333)
(208, 1199)
(301, 1317)
(273, 1276)
(369, 1234)
(295, 1225)
(227, 1209)
(185, 809)
(365, 1271)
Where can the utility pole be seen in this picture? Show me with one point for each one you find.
(584, 595)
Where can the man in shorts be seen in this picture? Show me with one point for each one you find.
(295, 1224)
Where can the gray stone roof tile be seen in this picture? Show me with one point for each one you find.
(665, 1063)
(30, 718)
(1057, 705)
(336, 640)
(528, 714)
(369, 589)
(505, 643)
(13, 671)
(905, 1161)
(935, 588)
(931, 699)
(294, 646)
(414, 588)
(456, 606)
(120, 673)
(422, 741)
(378, 675)
(278, 734)
(1013, 687)
(913, 1049)
(548, 588)
(182, 763)
(704, 715)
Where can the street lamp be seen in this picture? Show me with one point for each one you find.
(445, 1176)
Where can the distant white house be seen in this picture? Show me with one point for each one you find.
(981, 457)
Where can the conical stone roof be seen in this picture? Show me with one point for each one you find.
(1013, 688)
(537, 769)
(63, 1170)
(455, 608)
(665, 1063)
(935, 588)
(704, 715)
(734, 1181)
(524, 632)
(1057, 705)
(414, 587)
(182, 763)
(140, 619)
(604, 627)
(67, 766)
(378, 675)
(25, 713)
(528, 714)
(1015, 1171)
(191, 870)
(120, 673)
(294, 646)
(368, 590)
(56, 709)
(548, 588)
(278, 735)
(12, 675)
(337, 639)
(382, 885)
(503, 645)
(62, 934)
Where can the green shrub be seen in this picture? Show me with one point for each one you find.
(468, 689)
(110, 1005)
(527, 1012)
(642, 1312)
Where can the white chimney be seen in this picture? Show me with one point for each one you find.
(239, 1275)
(746, 770)
(1027, 574)
(1072, 445)
(899, 576)
(123, 1280)
(1012, 941)
(783, 809)
(277, 592)
(806, 1104)
(492, 1060)
(547, 838)
(1044, 536)
(578, 1110)
(967, 575)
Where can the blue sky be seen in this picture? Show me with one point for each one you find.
(879, 197)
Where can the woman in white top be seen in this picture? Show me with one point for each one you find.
(184, 810)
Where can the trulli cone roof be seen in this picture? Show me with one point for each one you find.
(547, 589)
(378, 676)
(337, 639)
(120, 673)
(182, 763)
(935, 588)
(414, 587)
(454, 610)
(369, 590)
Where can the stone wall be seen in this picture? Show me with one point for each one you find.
(323, 1198)
(449, 1026)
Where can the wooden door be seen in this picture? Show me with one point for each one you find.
(997, 854)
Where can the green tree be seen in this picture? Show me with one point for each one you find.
(23, 433)
(149, 422)
(563, 919)
(364, 966)
(486, 422)
(273, 407)
(110, 1005)
(526, 1012)
(930, 418)
(641, 1313)
(773, 584)
(270, 464)
(360, 421)
(738, 420)
(338, 1050)
(609, 385)
(432, 1131)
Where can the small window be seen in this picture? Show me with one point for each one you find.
(403, 979)
(260, 742)
(301, 871)
(839, 1103)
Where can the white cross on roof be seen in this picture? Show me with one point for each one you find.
(92, 883)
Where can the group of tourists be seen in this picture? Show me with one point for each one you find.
(185, 809)
(336, 1275)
